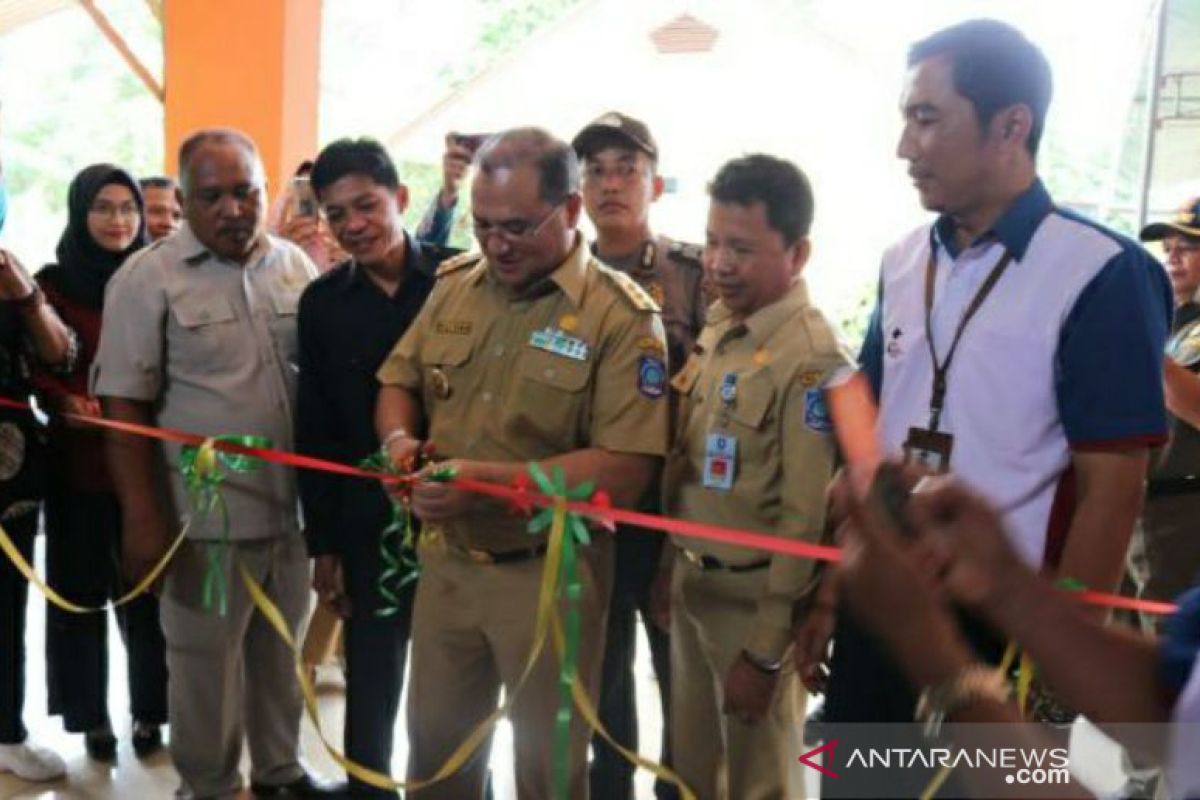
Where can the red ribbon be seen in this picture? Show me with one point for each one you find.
(520, 497)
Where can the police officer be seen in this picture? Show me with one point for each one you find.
(620, 182)
(533, 351)
(754, 452)
(1166, 551)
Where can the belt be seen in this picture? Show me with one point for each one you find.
(505, 557)
(1166, 487)
(710, 563)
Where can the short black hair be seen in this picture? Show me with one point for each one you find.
(778, 184)
(364, 156)
(162, 182)
(994, 66)
(555, 160)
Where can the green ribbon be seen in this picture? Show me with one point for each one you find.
(569, 591)
(202, 469)
(398, 540)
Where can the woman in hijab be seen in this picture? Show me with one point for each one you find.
(105, 224)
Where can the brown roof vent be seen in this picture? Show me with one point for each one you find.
(684, 34)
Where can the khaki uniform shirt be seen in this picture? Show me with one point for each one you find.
(782, 356)
(575, 363)
(212, 346)
(671, 272)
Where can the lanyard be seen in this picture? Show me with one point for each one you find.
(937, 399)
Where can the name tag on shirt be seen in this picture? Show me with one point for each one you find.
(928, 449)
(720, 461)
(553, 340)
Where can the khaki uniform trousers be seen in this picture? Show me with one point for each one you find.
(232, 674)
(716, 754)
(473, 627)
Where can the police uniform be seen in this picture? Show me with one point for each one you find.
(755, 452)
(671, 272)
(1165, 556)
(1165, 552)
(576, 362)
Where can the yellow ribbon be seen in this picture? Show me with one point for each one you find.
(547, 621)
(456, 760)
(24, 567)
(1010, 654)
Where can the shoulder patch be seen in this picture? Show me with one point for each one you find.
(460, 261)
(628, 288)
(816, 412)
(688, 253)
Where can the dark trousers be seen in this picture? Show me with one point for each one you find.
(866, 686)
(611, 776)
(376, 649)
(83, 557)
(14, 591)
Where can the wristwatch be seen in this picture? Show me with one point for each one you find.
(762, 664)
(971, 683)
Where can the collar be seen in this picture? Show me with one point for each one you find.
(196, 252)
(570, 276)
(417, 261)
(762, 324)
(1014, 229)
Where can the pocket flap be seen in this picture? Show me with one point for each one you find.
(555, 370)
(446, 350)
(755, 394)
(195, 311)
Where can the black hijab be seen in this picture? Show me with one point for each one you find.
(84, 267)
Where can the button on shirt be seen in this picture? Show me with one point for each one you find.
(493, 389)
(781, 357)
(1064, 354)
(212, 346)
(348, 325)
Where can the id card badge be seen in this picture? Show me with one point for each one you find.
(720, 461)
(928, 449)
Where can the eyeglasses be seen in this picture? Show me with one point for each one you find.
(126, 210)
(513, 230)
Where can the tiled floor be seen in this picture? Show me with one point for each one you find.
(1093, 757)
(131, 779)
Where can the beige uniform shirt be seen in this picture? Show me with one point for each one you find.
(212, 345)
(781, 356)
(577, 362)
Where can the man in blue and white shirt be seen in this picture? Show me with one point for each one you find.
(1014, 343)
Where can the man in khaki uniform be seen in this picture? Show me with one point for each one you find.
(531, 352)
(199, 334)
(755, 452)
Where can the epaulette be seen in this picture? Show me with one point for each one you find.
(630, 289)
(687, 252)
(460, 261)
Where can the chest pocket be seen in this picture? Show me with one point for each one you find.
(550, 400)
(209, 337)
(285, 303)
(755, 396)
(444, 364)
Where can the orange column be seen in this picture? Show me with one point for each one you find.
(247, 64)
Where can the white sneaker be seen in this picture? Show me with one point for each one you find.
(31, 763)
